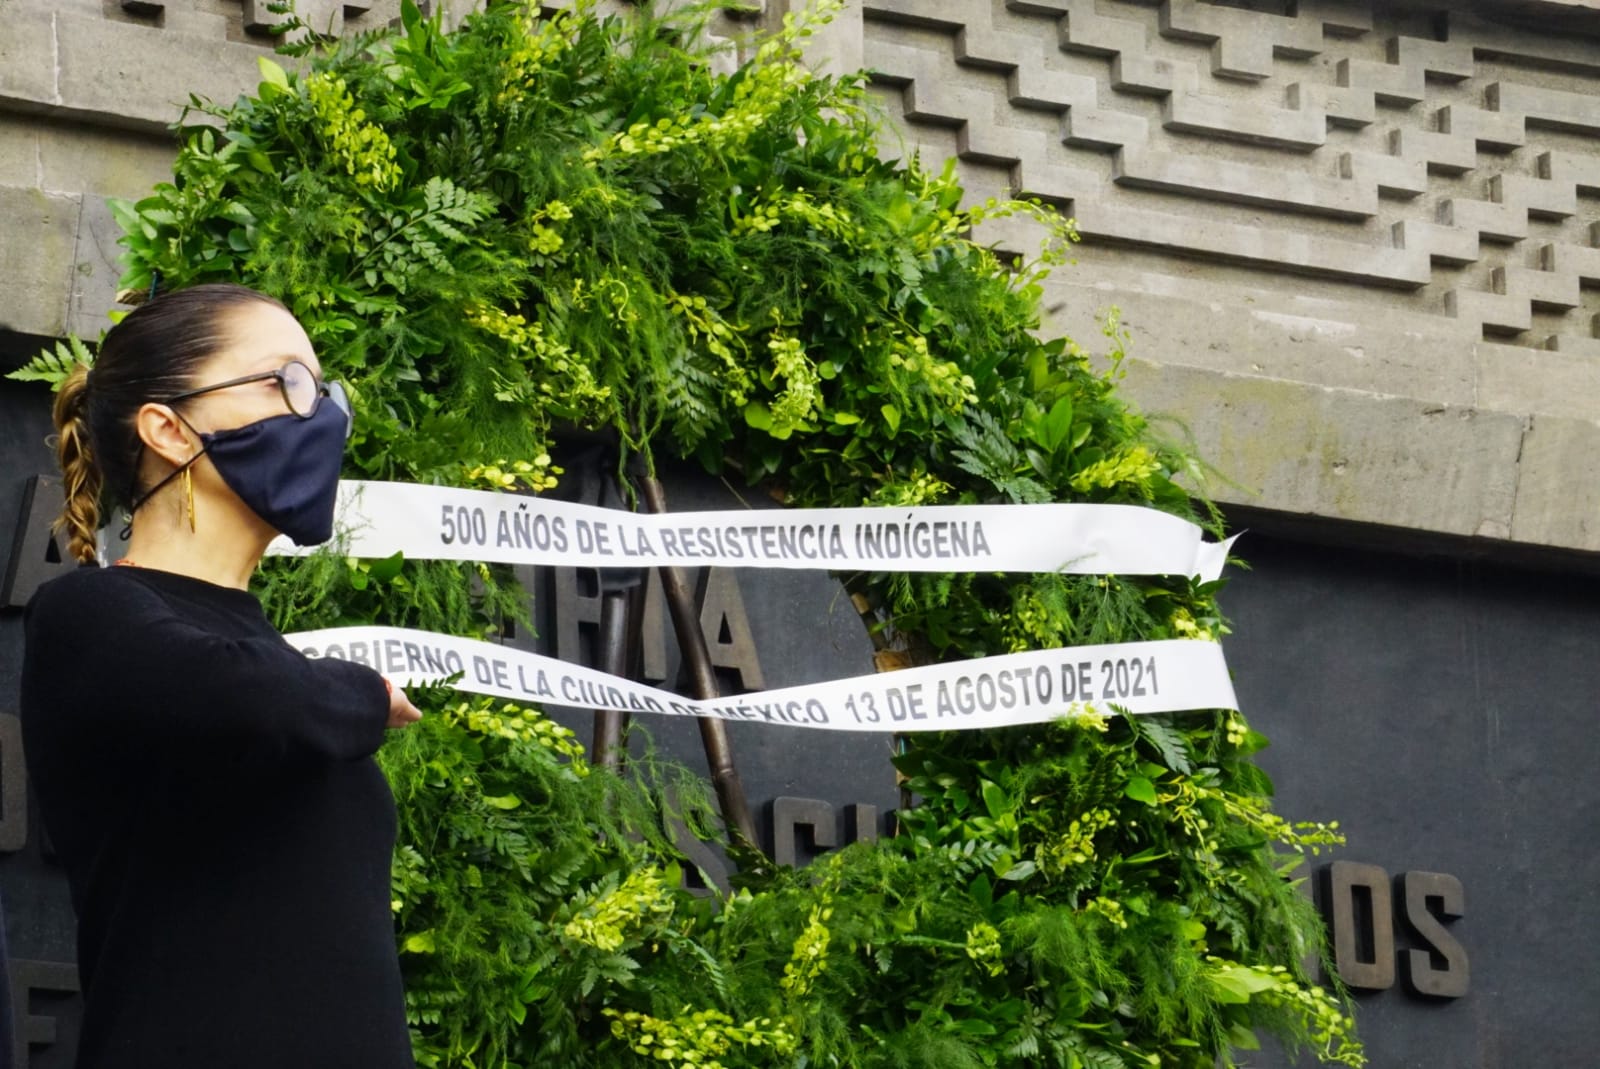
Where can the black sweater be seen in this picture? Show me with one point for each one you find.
(225, 830)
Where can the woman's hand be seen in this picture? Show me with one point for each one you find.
(401, 712)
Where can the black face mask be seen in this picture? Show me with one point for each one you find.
(285, 468)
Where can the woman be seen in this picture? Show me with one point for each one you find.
(212, 792)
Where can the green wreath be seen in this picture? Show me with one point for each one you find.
(533, 224)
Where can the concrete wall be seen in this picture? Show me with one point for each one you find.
(87, 91)
(1355, 245)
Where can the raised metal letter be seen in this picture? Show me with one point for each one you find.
(1362, 952)
(1442, 971)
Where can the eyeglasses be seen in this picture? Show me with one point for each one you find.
(302, 390)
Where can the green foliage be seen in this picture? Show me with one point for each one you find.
(527, 884)
(539, 223)
(54, 364)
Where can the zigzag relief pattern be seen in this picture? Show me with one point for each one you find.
(730, 26)
(326, 16)
(1477, 154)
(210, 16)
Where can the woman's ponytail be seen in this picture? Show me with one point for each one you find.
(83, 480)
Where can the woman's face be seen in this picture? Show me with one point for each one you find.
(260, 337)
(257, 338)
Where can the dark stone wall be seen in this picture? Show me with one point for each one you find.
(1443, 711)
(37, 914)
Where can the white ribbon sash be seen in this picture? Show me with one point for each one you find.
(380, 519)
(1034, 687)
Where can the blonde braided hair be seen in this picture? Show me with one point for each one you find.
(82, 478)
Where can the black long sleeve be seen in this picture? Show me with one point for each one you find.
(226, 832)
(206, 695)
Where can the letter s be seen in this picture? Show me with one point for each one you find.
(1417, 967)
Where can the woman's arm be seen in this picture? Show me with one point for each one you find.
(114, 659)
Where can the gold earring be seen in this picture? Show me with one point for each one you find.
(188, 493)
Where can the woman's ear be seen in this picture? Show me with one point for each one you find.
(164, 433)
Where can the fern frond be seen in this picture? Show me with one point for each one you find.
(1167, 739)
(986, 450)
(443, 197)
(691, 394)
(443, 229)
(53, 365)
(430, 252)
